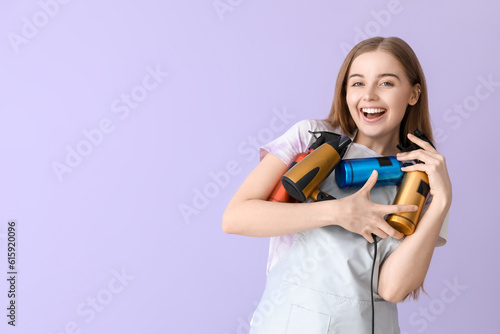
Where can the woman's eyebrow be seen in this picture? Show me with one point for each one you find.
(356, 75)
(378, 76)
(388, 75)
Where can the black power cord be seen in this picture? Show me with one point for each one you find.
(371, 282)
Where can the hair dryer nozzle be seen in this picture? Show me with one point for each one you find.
(413, 146)
(324, 136)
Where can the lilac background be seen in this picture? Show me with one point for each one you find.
(230, 74)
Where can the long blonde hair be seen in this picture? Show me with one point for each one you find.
(416, 116)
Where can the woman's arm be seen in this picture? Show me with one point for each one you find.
(405, 269)
(249, 213)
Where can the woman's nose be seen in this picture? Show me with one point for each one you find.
(370, 94)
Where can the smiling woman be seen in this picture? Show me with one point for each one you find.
(380, 97)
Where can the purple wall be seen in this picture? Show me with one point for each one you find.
(118, 117)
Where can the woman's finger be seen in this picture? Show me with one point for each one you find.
(420, 142)
(395, 208)
(390, 231)
(425, 156)
(417, 167)
(368, 237)
(429, 169)
(381, 233)
(370, 182)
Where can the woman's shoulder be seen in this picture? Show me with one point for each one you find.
(297, 139)
(303, 133)
(306, 125)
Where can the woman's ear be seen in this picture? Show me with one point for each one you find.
(415, 95)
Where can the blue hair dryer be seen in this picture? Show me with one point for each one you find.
(352, 173)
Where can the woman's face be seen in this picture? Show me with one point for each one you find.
(378, 93)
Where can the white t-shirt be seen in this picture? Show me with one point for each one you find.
(297, 140)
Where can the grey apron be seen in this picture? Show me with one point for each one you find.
(322, 284)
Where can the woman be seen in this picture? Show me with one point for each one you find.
(321, 253)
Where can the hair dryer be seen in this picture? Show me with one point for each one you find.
(302, 180)
(352, 173)
(414, 189)
(279, 194)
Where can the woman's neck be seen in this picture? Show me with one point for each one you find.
(385, 145)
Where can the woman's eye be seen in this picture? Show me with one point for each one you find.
(357, 84)
(387, 83)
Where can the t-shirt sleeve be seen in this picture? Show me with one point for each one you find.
(387, 246)
(294, 141)
(443, 234)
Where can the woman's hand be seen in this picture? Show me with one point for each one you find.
(360, 215)
(434, 166)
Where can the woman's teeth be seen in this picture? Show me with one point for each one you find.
(372, 111)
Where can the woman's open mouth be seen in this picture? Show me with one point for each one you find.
(373, 113)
